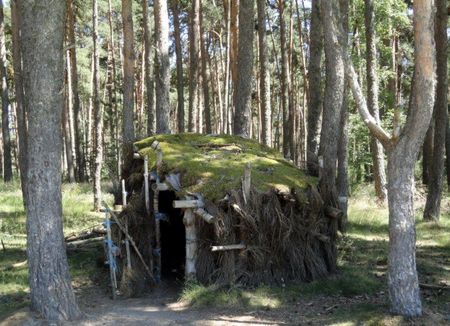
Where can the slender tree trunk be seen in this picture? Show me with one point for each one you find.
(7, 160)
(315, 89)
(149, 81)
(433, 204)
(42, 42)
(80, 161)
(205, 77)
(66, 130)
(162, 67)
(18, 84)
(194, 55)
(98, 114)
(285, 79)
(128, 72)
(264, 78)
(242, 117)
(333, 99)
(372, 101)
(342, 156)
(234, 27)
(226, 126)
(427, 154)
(179, 55)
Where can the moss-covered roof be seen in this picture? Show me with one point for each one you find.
(212, 165)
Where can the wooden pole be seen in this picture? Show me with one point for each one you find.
(146, 187)
(124, 194)
(191, 245)
(112, 270)
(247, 181)
(228, 247)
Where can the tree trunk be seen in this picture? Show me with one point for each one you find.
(98, 114)
(372, 101)
(234, 26)
(42, 42)
(205, 77)
(128, 72)
(315, 90)
(18, 84)
(162, 67)
(149, 81)
(80, 161)
(285, 79)
(427, 154)
(264, 78)
(67, 134)
(194, 55)
(242, 117)
(433, 204)
(342, 156)
(7, 160)
(403, 150)
(333, 99)
(179, 54)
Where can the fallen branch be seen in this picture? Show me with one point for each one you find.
(228, 247)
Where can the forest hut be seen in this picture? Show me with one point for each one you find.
(221, 209)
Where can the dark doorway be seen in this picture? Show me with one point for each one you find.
(173, 238)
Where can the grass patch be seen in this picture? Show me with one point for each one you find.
(77, 215)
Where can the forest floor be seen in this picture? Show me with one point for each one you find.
(357, 295)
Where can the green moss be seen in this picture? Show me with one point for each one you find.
(212, 165)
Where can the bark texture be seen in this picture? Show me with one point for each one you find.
(333, 99)
(242, 117)
(179, 55)
(315, 90)
(264, 78)
(149, 82)
(285, 80)
(376, 148)
(7, 158)
(128, 72)
(433, 204)
(98, 114)
(18, 85)
(194, 56)
(42, 39)
(162, 67)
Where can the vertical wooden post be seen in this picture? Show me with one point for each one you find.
(191, 245)
(109, 244)
(124, 194)
(247, 181)
(157, 221)
(146, 187)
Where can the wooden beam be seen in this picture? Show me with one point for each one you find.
(160, 186)
(205, 215)
(229, 247)
(191, 203)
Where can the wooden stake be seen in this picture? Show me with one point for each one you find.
(146, 187)
(246, 182)
(112, 271)
(124, 194)
(191, 245)
(228, 247)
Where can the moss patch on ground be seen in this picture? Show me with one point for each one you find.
(213, 165)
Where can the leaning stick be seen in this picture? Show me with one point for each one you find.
(147, 196)
(124, 194)
(130, 239)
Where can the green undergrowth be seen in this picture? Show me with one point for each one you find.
(77, 216)
(213, 165)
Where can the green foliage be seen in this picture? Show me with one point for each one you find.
(215, 165)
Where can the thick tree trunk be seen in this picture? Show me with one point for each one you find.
(242, 117)
(42, 42)
(149, 82)
(315, 89)
(179, 55)
(7, 160)
(264, 78)
(372, 101)
(162, 67)
(333, 99)
(194, 58)
(128, 72)
(98, 114)
(433, 204)
(18, 86)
